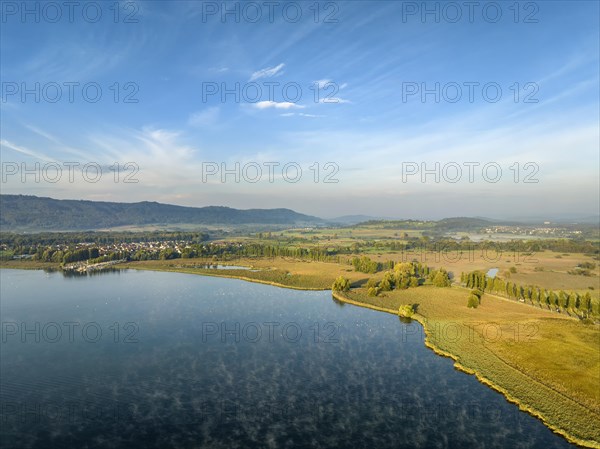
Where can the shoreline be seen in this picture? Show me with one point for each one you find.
(182, 270)
(229, 276)
(483, 380)
(422, 320)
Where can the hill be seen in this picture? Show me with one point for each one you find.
(353, 219)
(23, 212)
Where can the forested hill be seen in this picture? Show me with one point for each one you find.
(22, 212)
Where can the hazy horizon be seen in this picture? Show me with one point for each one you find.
(560, 218)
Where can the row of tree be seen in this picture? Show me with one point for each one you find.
(21, 243)
(488, 249)
(364, 264)
(581, 303)
(68, 256)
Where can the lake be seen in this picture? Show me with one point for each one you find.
(148, 359)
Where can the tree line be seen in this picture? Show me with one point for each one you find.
(402, 275)
(225, 251)
(20, 243)
(28, 243)
(561, 300)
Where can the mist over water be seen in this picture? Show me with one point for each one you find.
(145, 359)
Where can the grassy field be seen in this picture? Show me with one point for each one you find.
(348, 236)
(547, 363)
(320, 275)
(547, 269)
(279, 271)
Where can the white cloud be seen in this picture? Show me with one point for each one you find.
(206, 117)
(334, 100)
(267, 104)
(268, 72)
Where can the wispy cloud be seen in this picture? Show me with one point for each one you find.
(59, 144)
(25, 151)
(268, 72)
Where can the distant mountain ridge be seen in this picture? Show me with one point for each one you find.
(354, 219)
(32, 212)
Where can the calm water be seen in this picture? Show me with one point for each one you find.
(144, 359)
(226, 267)
(492, 272)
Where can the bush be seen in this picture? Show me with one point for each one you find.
(373, 291)
(440, 278)
(580, 272)
(371, 283)
(6, 255)
(341, 284)
(406, 310)
(473, 302)
(513, 269)
(386, 283)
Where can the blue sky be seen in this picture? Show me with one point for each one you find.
(365, 60)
